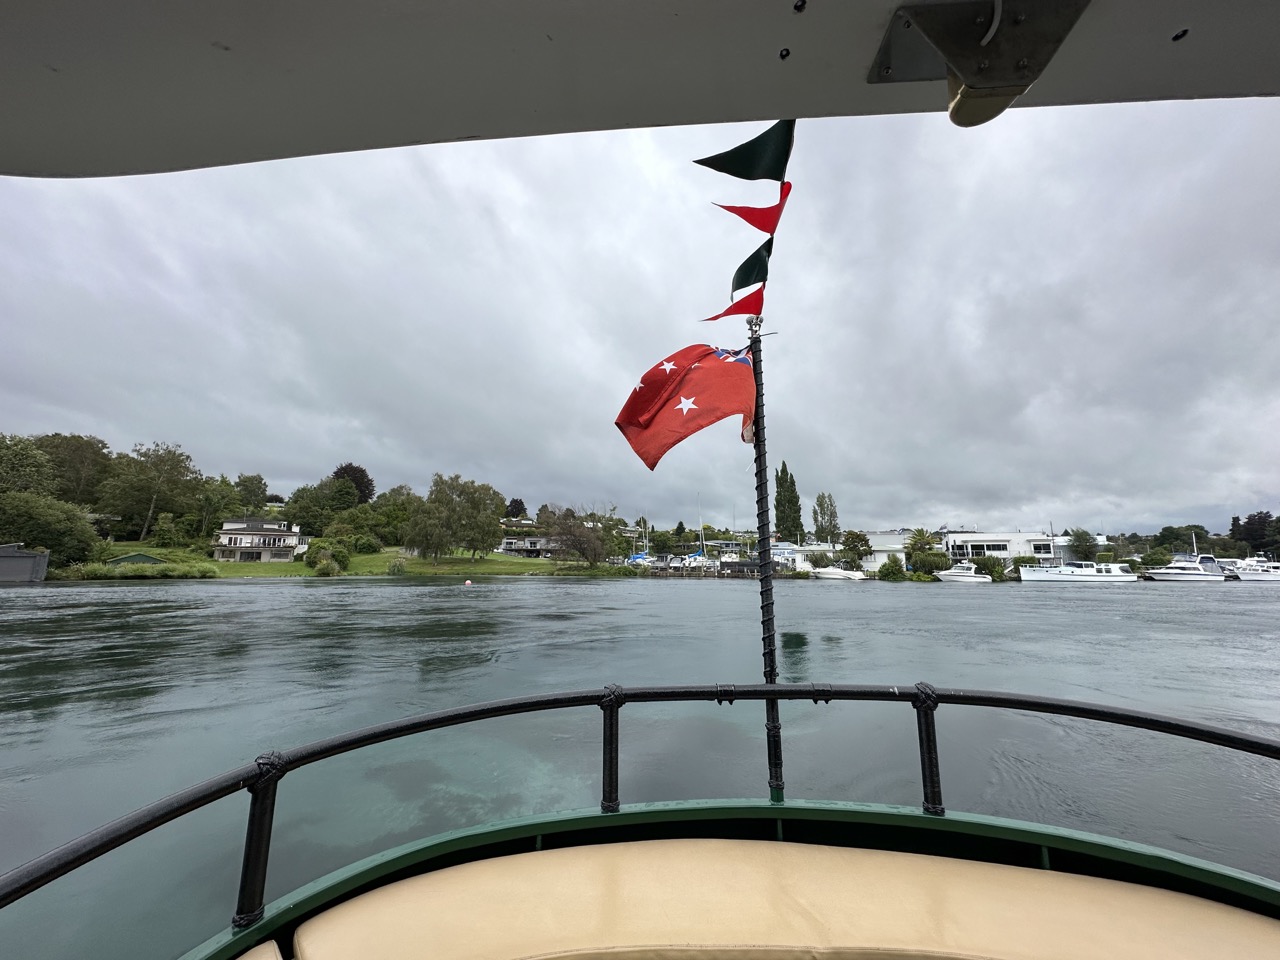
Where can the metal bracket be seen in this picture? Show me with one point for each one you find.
(989, 51)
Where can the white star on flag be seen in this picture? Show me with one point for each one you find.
(639, 385)
(668, 366)
(686, 404)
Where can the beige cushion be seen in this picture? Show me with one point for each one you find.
(264, 951)
(748, 899)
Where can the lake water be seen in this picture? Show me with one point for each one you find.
(115, 694)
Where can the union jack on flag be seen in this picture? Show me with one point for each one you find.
(735, 356)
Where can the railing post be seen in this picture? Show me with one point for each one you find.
(610, 703)
(257, 840)
(925, 703)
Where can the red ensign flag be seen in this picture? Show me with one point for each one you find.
(691, 389)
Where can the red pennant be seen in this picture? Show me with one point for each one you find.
(763, 218)
(692, 389)
(752, 305)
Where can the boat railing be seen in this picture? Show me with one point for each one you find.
(261, 777)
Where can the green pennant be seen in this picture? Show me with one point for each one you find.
(762, 158)
(754, 269)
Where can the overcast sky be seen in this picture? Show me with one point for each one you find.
(1067, 316)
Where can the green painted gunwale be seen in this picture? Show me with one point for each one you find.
(282, 915)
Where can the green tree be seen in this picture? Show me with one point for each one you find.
(157, 479)
(165, 533)
(1083, 545)
(678, 532)
(313, 508)
(661, 541)
(428, 531)
(393, 510)
(920, 540)
(788, 518)
(826, 522)
(218, 499)
(470, 515)
(24, 467)
(49, 524)
(892, 569)
(359, 476)
(1254, 530)
(80, 464)
(856, 545)
(515, 509)
(252, 491)
(582, 533)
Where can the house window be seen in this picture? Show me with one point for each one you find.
(250, 555)
(1041, 549)
(977, 550)
(997, 548)
(281, 554)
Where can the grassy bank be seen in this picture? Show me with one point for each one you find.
(362, 564)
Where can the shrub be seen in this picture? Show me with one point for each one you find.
(396, 567)
(991, 566)
(820, 560)
(327, 568)
(919, 576)
(929, 561)
(364, 543)
(1020, 562)
(1157, 558)
(38, 521)
(322, 548)
(1107, 557)
(892, 569)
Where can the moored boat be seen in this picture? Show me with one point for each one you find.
(1078, 571)
(836, 573)
(962, 573)
(1187, 570)
(1258, 570)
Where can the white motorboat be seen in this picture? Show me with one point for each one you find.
(1079, 571)
(962, 573)
(1188, 570)
(1259, 569)
(836, 573)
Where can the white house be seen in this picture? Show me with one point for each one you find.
(967, 544)
(259, 538)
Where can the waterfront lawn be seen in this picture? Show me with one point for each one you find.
(458, 565)
(362, 564)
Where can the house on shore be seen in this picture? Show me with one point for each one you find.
(264, 539)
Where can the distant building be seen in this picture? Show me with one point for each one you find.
(965, 545)
(263, 539)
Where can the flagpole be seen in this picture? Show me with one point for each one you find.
(764, 529)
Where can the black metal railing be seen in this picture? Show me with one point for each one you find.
(261, 777)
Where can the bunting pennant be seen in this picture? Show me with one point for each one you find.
(687, 392)
(754, 269)
(761, 158)
(764, 219)
(752, 305)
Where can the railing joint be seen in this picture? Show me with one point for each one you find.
(821, 692)
(271, 768)
(725, 693)
(614, 697)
